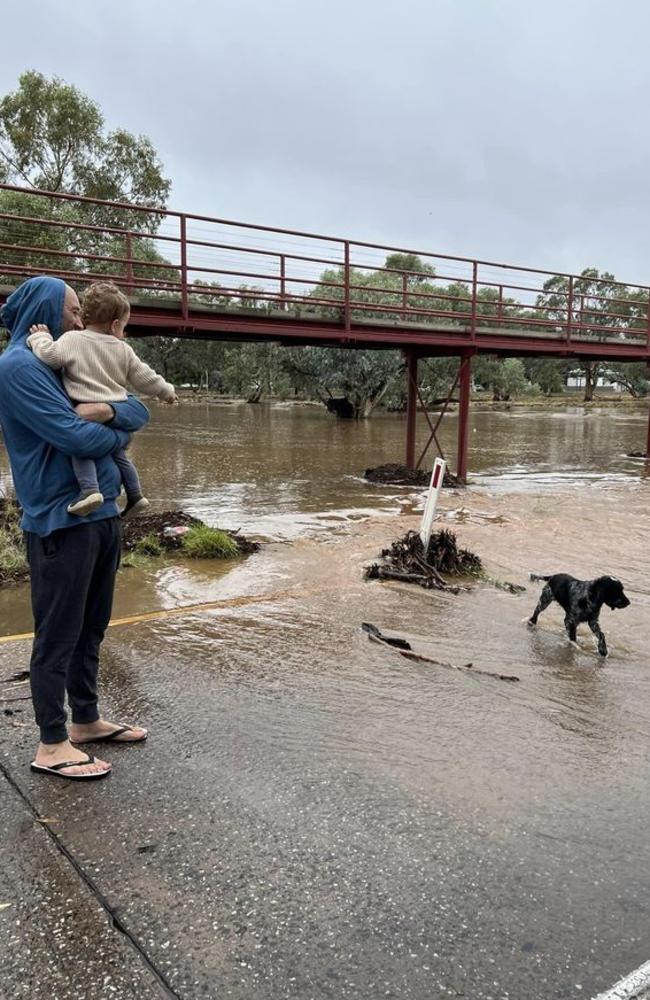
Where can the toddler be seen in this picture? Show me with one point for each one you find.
(97, 368)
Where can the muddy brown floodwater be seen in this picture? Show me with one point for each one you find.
(315, 816)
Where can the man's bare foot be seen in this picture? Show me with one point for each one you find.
(49, 754)
(105, 732)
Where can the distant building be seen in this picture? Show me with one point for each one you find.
(577, 381)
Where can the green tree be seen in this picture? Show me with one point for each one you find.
(359, 378)
(417, 271)
(164, 354)
(365, 378)
(405, 282)
(380, 293)
(602, 307)
(506, 379)
(633, 377)
(549, 374)
(256, 370)
(54, 138)
(436, 377)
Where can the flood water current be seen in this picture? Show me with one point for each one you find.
(320, 817)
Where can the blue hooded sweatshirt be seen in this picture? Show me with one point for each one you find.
(40, 427)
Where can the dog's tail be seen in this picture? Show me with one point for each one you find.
(538, 578)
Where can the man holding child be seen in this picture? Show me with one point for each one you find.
(73, 559)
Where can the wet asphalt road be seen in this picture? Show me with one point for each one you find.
(315, 817)
(57, 940)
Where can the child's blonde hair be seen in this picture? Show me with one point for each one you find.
(103, 303)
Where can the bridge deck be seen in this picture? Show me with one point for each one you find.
(302, 326)
(197, 276)
(297, 326)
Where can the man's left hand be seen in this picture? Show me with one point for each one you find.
(99, 413)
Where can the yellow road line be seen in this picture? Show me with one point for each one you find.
(183, 609)
(15, 638)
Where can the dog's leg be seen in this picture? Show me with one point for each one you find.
(598, 632)
(571, 625)
(544, 601)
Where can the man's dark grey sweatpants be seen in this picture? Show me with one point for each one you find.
(72, 579)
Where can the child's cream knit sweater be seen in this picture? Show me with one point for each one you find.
(97, 367)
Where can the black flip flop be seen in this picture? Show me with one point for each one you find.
(57, 770)
(112, 737)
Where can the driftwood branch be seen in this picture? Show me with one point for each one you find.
(403, 648)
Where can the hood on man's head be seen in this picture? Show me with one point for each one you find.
(37, 300)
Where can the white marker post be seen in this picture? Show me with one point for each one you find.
(435, 486)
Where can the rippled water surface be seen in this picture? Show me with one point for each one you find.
(279, 470)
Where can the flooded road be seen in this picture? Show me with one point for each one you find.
(315, 816)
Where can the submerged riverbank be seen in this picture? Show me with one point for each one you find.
(149, 536)
(481, 400)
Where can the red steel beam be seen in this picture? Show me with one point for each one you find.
(434, 429)
(429, 342)
(411, 404)
(463, 417)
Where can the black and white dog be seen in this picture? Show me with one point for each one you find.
(582, 601)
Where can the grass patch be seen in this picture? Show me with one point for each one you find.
(149, 545)
(132, 560)
(202, 542)
(143, 540)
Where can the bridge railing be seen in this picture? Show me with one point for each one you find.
(189, 264)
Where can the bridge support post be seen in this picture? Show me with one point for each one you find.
(411, 358)
(463, 416)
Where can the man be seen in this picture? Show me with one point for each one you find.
(73, 560)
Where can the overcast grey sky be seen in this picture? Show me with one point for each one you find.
(506, 129)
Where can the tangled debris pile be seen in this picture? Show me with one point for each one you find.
(400, 475)
(406, 560)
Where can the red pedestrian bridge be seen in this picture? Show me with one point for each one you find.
(195, 276)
